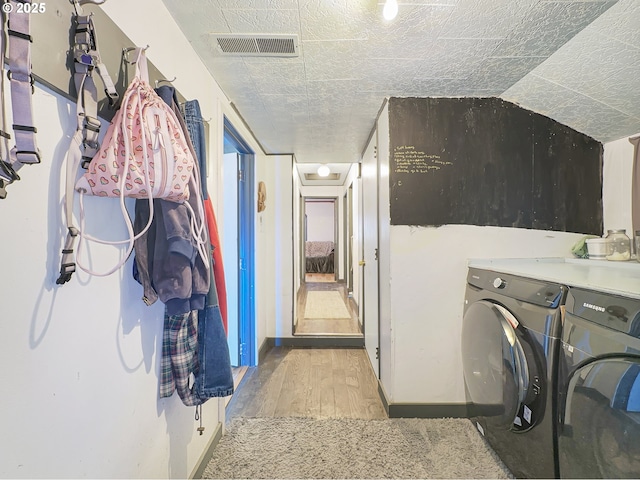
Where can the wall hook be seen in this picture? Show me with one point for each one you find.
(158, 82)
(125, 53)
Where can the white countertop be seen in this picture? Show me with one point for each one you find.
(618, 278)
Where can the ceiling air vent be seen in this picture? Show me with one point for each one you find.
(251, 45)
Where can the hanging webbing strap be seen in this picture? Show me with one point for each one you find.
(87, 58)
(17, 49)
(84, 144)
(7, 174)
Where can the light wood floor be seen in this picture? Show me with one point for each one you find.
(320, 277)
(307, 382)
(327, 326)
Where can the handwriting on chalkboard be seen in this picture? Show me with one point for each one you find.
(407, 159)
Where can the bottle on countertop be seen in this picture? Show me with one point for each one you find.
(619, 245)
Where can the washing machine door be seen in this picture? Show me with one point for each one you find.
(599, 434)
(496, 368)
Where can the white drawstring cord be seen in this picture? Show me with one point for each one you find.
(131, 235)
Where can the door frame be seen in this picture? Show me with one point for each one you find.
(246, 245)
(348, 238)
(370, 280)
(336, 232)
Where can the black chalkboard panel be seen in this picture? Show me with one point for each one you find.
(484, 161)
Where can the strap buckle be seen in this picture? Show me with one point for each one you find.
(7, 171)
(67, 268)
(112, 96)
(86, 161)
(83, 57)
(30, 161)
(66, 271)
(91, 123)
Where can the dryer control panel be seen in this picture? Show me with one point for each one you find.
(527, 290)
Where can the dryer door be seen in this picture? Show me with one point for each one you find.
(496, 367)
(599, 436)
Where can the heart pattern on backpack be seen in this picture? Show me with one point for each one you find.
(127, 151)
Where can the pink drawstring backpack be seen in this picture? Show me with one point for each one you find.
(144, 155)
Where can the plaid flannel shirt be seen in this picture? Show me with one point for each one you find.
(179, 365)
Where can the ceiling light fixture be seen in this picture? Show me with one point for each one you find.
(324, 171)
(390, 9)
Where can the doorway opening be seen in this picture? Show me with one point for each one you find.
(238, 242)
(320, 235)
(325, 302)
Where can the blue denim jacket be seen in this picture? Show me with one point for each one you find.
(215, 378)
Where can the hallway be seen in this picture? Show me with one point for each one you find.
(315, 383)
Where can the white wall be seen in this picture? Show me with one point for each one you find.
(80, 388)
(274, 246)
(321, 219)
(616, 188)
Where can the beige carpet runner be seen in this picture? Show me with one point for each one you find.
(344, 448)
(325, 304)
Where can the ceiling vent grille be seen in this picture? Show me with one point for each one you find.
(250, 45)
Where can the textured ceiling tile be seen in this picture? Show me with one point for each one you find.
(430, 3)
(600, 68)
(262, 21)
(230, 75)
(536, 94)
(257, 4)
(456, 58)
(497, 74)
(333, 51)
(334, 60)
(402, 69)
(572, 109)
(329, 87)
(486, 18)
(197, 17)
(621, 22)
(286, 105)
(548, 26)
(278, 77)
(384, 46)
(389, 84)
(336, 19)
(418, 21)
